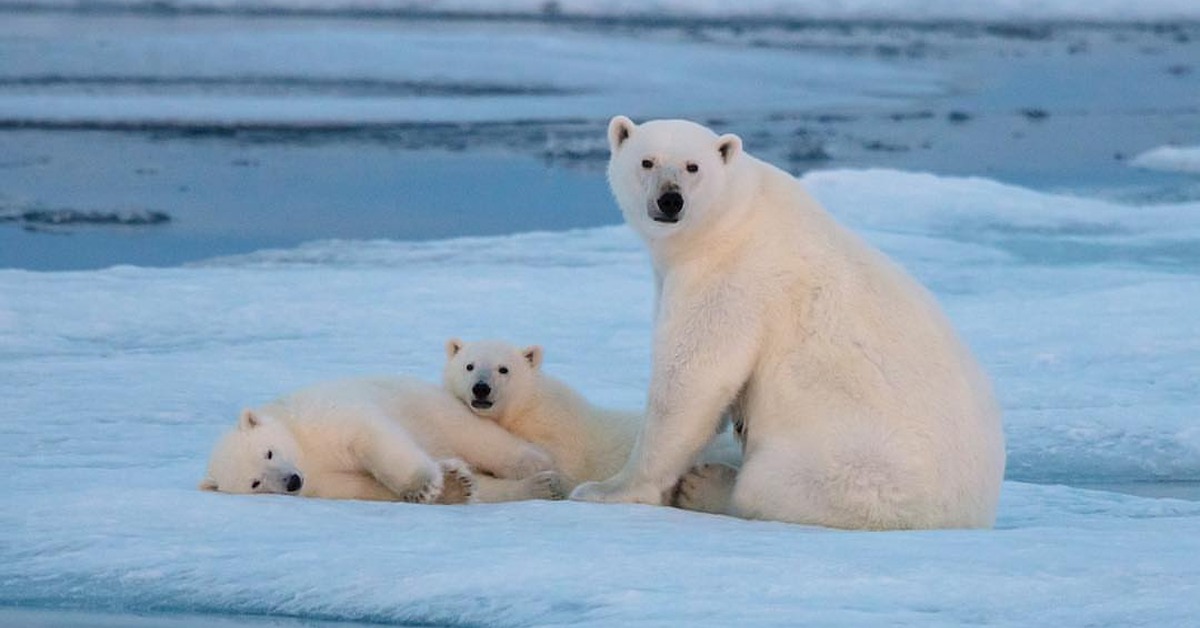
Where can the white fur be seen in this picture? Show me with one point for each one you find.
(862, 409)
(587, 442)
(374, 438)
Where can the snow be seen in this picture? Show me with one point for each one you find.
(905, 10)
(1169, 159)
(117, 382)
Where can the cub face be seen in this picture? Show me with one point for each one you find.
(668, 176)
(258, 456)
(489, 376)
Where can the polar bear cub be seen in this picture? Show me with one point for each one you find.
(385, 438)
(505, 384)
(859, 405)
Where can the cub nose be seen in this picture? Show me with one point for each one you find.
(670, 204)
(481, 390)
(294, 483)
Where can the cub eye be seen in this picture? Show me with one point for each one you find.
(471, 366)
(693, 168)
(647, 164)
(270, 454)
(254, 484)
(504, 370)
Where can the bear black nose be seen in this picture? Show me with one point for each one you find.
(294, 483)
(481, 390)
(670, 204)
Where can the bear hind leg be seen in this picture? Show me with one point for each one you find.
(706, 488)
(860, 485)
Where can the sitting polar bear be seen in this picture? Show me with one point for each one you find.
(859, 406)
(500, 382)
(376, 438)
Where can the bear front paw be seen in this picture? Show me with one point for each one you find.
(458, 482)
(547, 485)
(613, 493)
(428, 488)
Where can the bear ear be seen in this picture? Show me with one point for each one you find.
(453, 346)
(533, 355)
(730, 146)
(208, 484)
(619, 130)
(248, 420)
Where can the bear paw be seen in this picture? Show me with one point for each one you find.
(429, 488)
(706, 488)
(458, 482)
(547, 485)
(611, 492)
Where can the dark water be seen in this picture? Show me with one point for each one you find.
(226, 197)
(45, 618)
(1057, 108)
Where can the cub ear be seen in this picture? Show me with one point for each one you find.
(453, 346)
(730, 146)
(533, 355)
(619, 130)
(208, 484)
(248, 420)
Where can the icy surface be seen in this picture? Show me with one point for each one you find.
(116, 383)
(1170, 159)
(908, 10)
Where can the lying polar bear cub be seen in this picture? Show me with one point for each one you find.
(377, 439)
(498, 381)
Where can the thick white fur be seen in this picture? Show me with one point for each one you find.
(382, 438)
(862, 408)
(587, 442)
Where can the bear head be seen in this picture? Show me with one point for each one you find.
(669, 176)
(258, 456)
(489, 376)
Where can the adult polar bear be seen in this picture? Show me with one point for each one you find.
(859, 406)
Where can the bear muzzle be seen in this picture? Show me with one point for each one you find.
(480, 394)
(668, 208)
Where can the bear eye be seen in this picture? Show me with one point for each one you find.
(471, 366)
(270, 454)
(647, 164)
(254, 484)
(693, 168)
(504, 370)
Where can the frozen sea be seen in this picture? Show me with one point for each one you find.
(345, 189)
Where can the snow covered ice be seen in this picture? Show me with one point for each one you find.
(1170, 159)
(116, 383)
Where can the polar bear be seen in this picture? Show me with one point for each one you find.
(860, 407)
(390, 438)
(505, 384)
